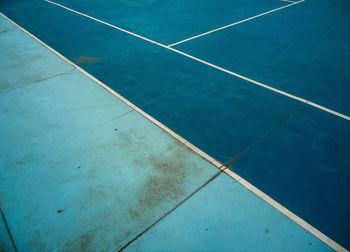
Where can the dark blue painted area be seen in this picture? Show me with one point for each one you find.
(304, 165)
(170, 21)
(301, 49)
(220, 114)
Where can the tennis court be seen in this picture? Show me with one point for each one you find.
(260, 86)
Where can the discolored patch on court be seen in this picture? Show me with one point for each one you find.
(86, 59)
(167, 185)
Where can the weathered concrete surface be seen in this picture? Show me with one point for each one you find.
(80, 170)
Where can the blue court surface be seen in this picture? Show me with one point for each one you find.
(175, 125)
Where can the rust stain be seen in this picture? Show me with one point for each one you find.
(86, 59)
(167, 185)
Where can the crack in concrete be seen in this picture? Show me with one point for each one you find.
(36, 81)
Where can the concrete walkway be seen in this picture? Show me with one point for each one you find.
(81, 170)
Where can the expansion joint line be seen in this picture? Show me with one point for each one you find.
(221, 170)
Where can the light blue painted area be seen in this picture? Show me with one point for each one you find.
(225, 216)
(80, 170)
(36, 64)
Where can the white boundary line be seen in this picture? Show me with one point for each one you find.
(209, 64)
(236, 23)
(201, 153)
(288, 1)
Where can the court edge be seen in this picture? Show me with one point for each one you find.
(201, 153)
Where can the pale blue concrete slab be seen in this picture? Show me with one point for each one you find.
(19, 69)
(79, 169)
(60, 151)
(225, 216)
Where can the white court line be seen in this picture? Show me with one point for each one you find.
(201, 153)
(288, 1)
(209, 64)
(236, 23)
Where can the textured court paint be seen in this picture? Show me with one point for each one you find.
(81, 170)
(309, 157)
(171, 21)
(299, 50)
(265, 113)
(225, 216)
(37, 64)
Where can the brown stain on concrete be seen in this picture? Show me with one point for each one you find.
(171, 168)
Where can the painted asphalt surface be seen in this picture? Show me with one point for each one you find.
(82, 171)
(303, 159)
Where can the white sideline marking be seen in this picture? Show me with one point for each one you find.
(201, 153)
(236, 23)
(210, 64)
(288, 1)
